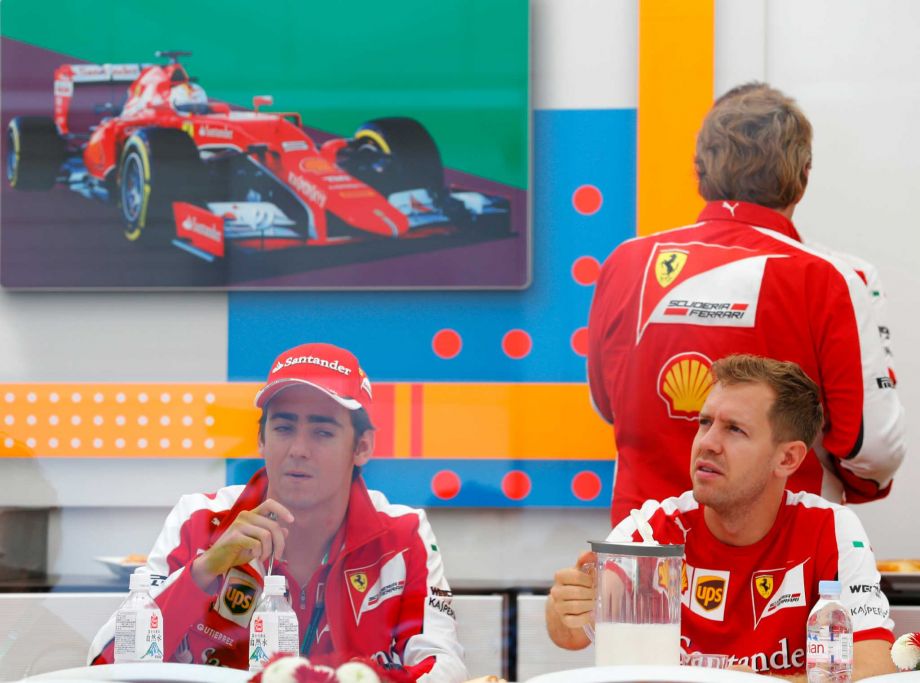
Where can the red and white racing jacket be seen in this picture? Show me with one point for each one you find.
(739, 281)
(382, 589)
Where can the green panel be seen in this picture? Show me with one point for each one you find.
(459, 66)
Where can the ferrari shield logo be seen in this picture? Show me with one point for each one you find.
(764, 585)
(668, 266)
(359, 581)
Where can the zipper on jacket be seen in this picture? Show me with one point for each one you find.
(303, 598)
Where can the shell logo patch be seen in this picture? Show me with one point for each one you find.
(668, 265)
(684, 383)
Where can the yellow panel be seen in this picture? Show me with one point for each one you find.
(676, 46)
(528, 421)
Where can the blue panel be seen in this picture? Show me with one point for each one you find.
(391, 332)
(408, 481)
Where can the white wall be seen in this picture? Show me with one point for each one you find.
(854, 67)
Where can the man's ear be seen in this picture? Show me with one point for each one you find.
(364, 449)
(792, 454)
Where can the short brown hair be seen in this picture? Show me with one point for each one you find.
(754, 146)
(796, 413)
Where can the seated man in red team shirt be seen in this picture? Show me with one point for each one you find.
(739, 525)
(365, 576)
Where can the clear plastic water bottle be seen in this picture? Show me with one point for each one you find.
(829, 638)
(273, 628)
(139, 624)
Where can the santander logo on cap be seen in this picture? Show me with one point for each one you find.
(313, 360)
(330, 369)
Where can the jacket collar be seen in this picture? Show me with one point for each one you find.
(750, 214)
(361, 525)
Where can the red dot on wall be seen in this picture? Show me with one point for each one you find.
(445, 484)
(585, 270)
(587, 199)
(586, 485)
(446, 343)
(516, 344)
(516, 485)
(580, 341)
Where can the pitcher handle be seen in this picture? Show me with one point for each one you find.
(587, 568)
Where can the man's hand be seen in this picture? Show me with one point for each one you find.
(251, 535)
(570, 604)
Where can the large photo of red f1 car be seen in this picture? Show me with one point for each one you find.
(180, 168)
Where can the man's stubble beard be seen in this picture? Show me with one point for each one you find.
(730, 502)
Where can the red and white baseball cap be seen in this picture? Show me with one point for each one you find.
(332, 370)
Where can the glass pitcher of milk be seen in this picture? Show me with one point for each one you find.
(636, 603)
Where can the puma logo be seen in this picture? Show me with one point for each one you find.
(730, 207)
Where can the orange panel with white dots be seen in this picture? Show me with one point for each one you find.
(413, 420)
(127, 420)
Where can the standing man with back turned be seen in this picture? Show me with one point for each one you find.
(740, 280)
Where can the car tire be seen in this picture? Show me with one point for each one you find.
(158, 166)
(34, 153)
(415, 161)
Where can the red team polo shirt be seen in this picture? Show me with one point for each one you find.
(739, 281)
(752, 602)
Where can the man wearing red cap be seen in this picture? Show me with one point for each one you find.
(365, 576)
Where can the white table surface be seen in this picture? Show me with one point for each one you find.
(146, 672)
(650, 674)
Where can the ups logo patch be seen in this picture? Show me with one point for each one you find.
(710, 591)
(239, 598)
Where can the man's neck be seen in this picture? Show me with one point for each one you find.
(745, 525)
(310, 537)
(786, 211)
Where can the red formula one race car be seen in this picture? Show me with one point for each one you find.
(170, 155)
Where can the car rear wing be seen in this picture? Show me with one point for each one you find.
(67, 76)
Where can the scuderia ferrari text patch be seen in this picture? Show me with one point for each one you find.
(701, 284)
(371, 586)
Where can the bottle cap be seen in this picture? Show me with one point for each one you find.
(140, 579)
(829, 587)
(275, 583)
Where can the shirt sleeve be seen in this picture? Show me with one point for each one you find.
(597, 333)
(665, 518)
(859, 578)
(427, 631)
(865, 433)
(177, 595)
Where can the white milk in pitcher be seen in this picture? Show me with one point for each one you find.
(623, 644)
